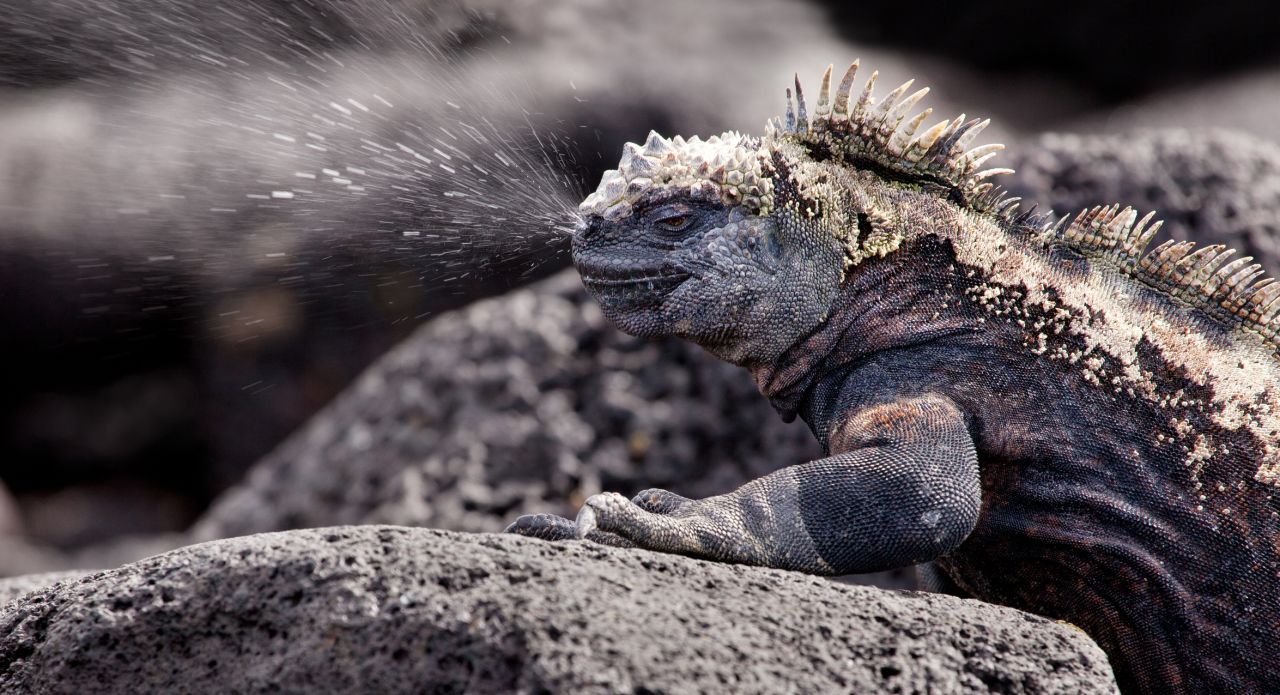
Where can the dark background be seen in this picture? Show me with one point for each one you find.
(151, 349)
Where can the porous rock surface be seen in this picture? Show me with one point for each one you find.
(393, 609)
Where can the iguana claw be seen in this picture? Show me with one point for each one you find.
(586, 521)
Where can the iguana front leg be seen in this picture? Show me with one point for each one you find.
(903, 488)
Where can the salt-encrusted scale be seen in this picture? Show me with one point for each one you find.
(879, 132)
(1203, 276)
(725, 167)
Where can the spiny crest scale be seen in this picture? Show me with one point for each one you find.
(724, 168)
(883, 132)
(1234, 291)
(728, 167)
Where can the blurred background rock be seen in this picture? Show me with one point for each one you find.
(167, 322)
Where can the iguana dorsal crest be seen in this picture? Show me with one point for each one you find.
(878, 133)
(865, 132)
(1204, 277)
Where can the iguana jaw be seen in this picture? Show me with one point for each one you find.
(629, 300)
(631, 280)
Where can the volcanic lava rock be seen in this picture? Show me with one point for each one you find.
(391, 609)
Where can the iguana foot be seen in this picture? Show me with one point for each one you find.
(666, 522)
(623, 514)
(612, 512)
(550, 527)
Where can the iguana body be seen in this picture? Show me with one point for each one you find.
(1064, 422)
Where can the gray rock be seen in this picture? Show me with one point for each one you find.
(12, 588)
(1208, 186)
(390, 609)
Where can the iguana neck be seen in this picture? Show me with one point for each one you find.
(884, 304)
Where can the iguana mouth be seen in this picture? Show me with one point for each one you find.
(658, 281)
(659, 276)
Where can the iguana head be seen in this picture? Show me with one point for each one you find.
(711, 240)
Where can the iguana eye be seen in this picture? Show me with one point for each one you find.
(673, 218)
(675, 223)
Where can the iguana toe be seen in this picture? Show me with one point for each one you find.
(659, 501)
(548, 527)
(600, 511)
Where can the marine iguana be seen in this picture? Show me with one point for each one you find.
(1062, 420)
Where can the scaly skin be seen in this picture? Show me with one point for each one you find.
(1061, 421)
